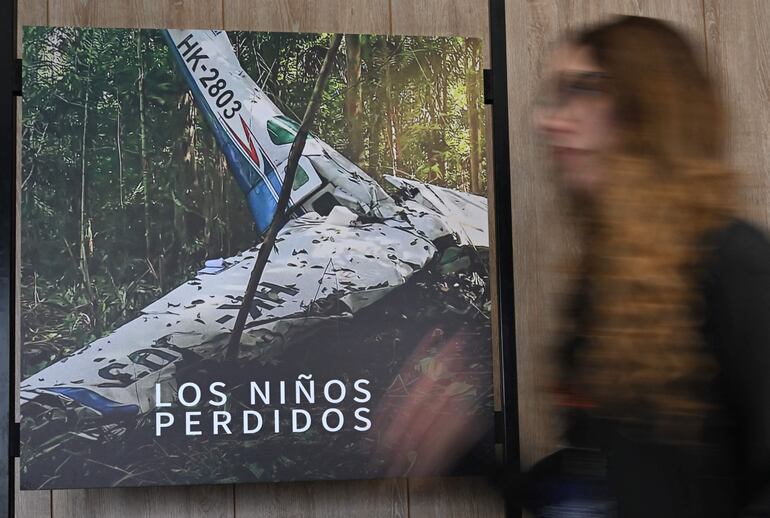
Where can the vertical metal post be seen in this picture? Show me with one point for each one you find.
(8, 92)
(503, 228)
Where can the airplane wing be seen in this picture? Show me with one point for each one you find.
(323, 268)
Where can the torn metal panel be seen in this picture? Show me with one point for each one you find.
(467, 214)
(319, 270)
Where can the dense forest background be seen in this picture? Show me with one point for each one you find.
(124, 192)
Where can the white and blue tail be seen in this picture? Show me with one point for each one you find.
(256, 136)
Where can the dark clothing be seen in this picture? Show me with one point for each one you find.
(731, 472)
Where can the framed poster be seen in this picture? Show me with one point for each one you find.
(152, 166)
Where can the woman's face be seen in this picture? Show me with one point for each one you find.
(574, 116)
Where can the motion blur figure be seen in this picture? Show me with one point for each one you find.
(665, 370)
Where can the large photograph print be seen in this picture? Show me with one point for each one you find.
(252, 257)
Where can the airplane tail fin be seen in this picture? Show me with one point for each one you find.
(251, 131)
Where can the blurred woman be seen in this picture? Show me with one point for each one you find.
(665, 379)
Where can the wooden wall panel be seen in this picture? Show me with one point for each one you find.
(370, 498)
(540, 239)
(187, 14)
(441, 18)
(166, 502)
(453, 498)
(351, 16)
(739, 55)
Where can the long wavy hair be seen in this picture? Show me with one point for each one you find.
(643, 248)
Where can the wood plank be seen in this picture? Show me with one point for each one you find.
(349, 16)
(441, 18)
(541, 240)
(168, 502)
(181, 14)
(453, 497)
(31, 12)
(686, 14)
(739, 55)
(29, 504)
(353, 499)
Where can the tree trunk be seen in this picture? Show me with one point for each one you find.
(118, 147)
(375, 130)
(378, 110)
(143, 150)
(442, 83)
(354, 97)
(474, 115)
(390, 111)
(396, 137)
(271, 55)
(224, 216)
(208, 194)
(434, 99)
(85, 233)
(431, 142)
(181, 182)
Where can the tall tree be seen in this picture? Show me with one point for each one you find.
(86, 234)
(143, 163)
(354, 97)
(377, 116)
(119, 151)
(442, 83)
(472, 89)
(391, 106)
(182, 177)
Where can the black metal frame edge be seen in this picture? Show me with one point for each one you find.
(503, 228)
(9, 89)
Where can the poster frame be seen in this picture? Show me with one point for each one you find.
(495, 93)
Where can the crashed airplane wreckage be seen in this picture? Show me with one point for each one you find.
(348, 244)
